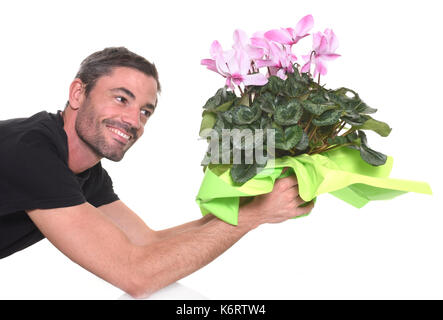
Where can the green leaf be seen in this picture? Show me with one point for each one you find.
(364, 108)
(221, 96)
(337, 140)
(303, 143)
(208, 121)
(219, 169)
(224, 106)
(288, 138)
(275, 85)
(354, 119)
(288, 113)
(316, 108)
(305, 78)
(265, 102)
(244, 100)
(245, 115)
(221, 124)
(352, 137)
(367, 154)
(327, 118)
(227, 115)
(241, 173)
(294, 84)
(380, 127)
(319, 96)
(265, 123)
(372, 157)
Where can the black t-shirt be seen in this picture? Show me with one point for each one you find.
(34, 174)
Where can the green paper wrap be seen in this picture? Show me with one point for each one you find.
(340, 172)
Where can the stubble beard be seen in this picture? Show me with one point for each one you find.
(91, 131)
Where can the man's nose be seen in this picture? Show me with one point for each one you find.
(132, 117)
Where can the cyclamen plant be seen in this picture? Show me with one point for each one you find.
(306, 117)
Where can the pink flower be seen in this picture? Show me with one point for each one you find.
(324, 46)
(278, 58)
(291, 36)
(241, 43)
(234, 65)
(281, 60)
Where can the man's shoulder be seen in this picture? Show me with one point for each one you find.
(38, 133)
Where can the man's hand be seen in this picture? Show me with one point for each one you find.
(279, 205)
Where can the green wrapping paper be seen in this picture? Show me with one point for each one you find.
(340, 172)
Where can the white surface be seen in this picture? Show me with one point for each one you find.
(175, 291)
(390, 56)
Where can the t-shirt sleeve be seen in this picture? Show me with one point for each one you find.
(35, 176)
(100, 189)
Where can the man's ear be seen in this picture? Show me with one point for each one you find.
(76, 94)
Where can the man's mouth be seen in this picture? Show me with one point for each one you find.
(121, 135)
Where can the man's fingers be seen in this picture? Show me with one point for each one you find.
(305, 210)
(286, 183)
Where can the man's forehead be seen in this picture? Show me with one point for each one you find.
(133, 82)
(130, 76)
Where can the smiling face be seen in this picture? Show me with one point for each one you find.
(113, 115)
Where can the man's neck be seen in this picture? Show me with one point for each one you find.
(80, 155)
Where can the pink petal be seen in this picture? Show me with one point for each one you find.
(216, 49)
(260, 42)
(280, 36)
(304, 25)
(240, 38)
(317, 37)
(306, 67)
(323, 47)
(241, 42)
(229, 83)
(254, 52)
(298, 38)
(210, 64)
(330, 56)
(306, 57)
(273, 71)
(263, 63)
(221, 65)
(291, 33)
(243, 62)
(332, 40)
(281, 74)
(256, 79)
(320, 67)
(276, 53)
(237, 79)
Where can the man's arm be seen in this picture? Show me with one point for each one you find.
(91, 239)
(135, 228)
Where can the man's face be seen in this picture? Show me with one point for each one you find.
(114, 114)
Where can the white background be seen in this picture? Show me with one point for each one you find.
(391, 55)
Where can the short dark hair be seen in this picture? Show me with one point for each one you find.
(102, 62)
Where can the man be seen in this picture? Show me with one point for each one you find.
(52, 184)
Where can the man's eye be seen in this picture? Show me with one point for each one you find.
(145, 112)
(121, 99)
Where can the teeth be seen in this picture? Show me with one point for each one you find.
(120, 133)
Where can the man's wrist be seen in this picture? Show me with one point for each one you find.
(246, 218)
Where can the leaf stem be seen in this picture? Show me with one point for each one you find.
(311, 135)
(241, 91)
(348, 132)
(337, 128)
(329, 148)
(309, 123)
